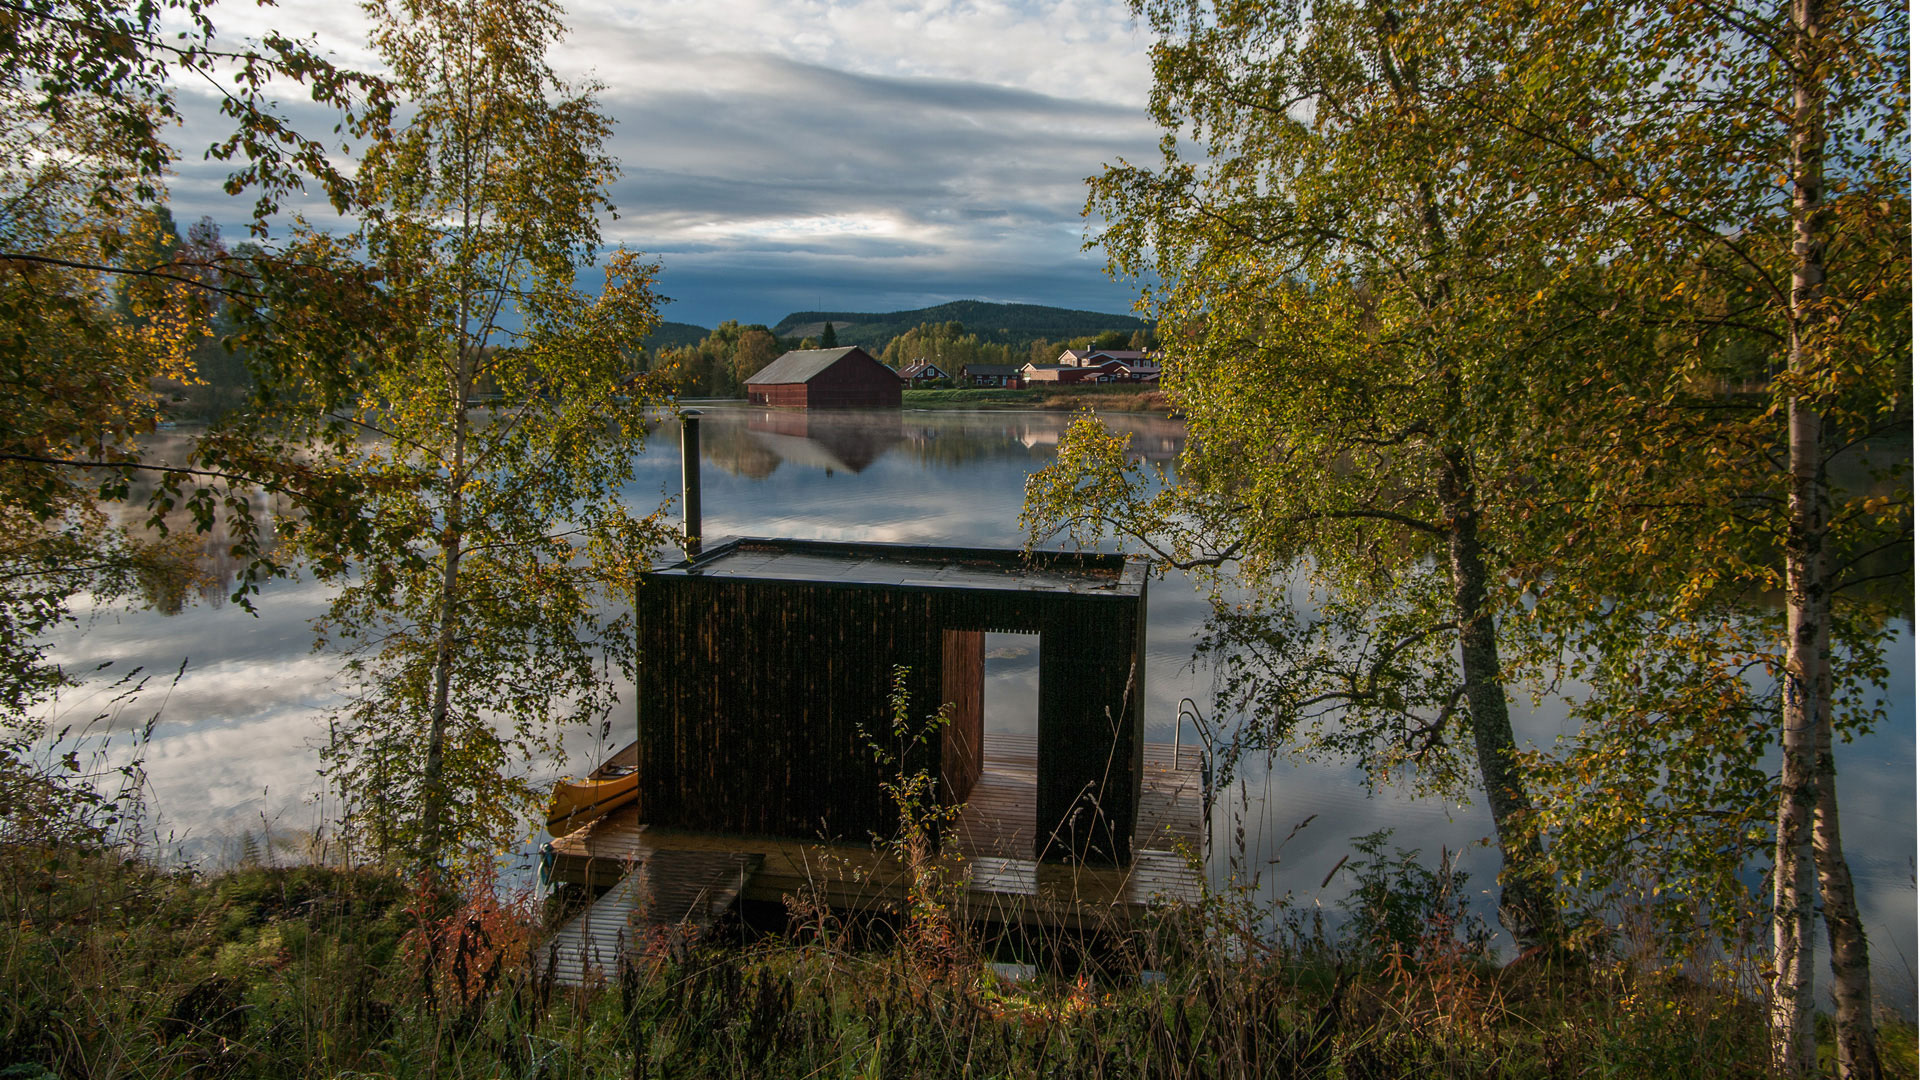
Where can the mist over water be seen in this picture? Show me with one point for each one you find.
(234, 752)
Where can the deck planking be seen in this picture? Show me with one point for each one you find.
(990, 864)
(663, 901)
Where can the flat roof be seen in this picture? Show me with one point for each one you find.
(919, 567)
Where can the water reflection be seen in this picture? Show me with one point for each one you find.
(809, 441)
(214, 554)
(236, 745)
(752, 443)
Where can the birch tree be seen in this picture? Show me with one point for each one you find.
(1363, 297)
(1757, 152)
(1621, 284)
(477, 585)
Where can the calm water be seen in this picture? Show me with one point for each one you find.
(234, 751)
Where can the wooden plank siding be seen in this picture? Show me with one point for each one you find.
(853, 381)
(759, 696)
(963, 685)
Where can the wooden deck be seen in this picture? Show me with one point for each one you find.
(998, 819)
(662, 878)
(662, 901)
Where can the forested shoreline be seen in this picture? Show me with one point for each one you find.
(1520, 349)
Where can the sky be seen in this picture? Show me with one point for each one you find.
(864, 155)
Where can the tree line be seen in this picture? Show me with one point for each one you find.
(1541, 342)
(721, 363)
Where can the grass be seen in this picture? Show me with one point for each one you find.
(1104, 398)
(114, 968)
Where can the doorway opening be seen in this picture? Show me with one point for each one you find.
(989, 753)
(992, 681)
(1012, 670)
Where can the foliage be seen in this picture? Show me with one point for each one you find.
(1104, 397)
(1366, 320)
(480, 579)
(101, 302)
(721, 363)
(947, 345)
(1683, 446)
(1398, 904)
(997, 324)
(1423, 266)
(316, 971)
(313, 970)
(99, 82)
(1692, 433)
(670, 335)
(76, 789)
(1761, 262)
(935, 878)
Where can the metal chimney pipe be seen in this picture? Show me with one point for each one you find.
(690, 478)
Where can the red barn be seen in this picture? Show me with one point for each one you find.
(826, 379)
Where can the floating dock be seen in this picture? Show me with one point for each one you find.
(671, 885)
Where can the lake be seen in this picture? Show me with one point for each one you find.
(233, 757)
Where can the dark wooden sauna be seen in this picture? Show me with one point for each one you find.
(763, 661)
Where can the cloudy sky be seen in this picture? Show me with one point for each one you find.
(840, 154)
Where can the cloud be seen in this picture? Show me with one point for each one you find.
(1085, 49)
(871, 154)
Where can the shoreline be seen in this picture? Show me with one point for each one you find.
(1123, 398)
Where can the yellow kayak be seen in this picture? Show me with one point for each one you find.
(577, 802)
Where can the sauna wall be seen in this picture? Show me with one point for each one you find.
(754, 695)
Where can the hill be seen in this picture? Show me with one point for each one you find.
(1003, 324)
(671, 335)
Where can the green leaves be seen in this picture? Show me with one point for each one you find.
(488, 567)
(105, 308)
(1476, 312)
(1372, 308)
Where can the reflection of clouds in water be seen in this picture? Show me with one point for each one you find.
(959, 479)
(1012, 691)
(1878, 827)
(234, 744)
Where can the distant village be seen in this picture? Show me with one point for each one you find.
(848, 377)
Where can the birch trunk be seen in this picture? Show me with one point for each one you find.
(1859, 1050)
(1809, 817)
(433, 806)
(1527, 906)
(1791, 1009)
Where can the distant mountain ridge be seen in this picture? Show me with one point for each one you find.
(1003, 324)
(670, 335)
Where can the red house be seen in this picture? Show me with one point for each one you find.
(826, 379)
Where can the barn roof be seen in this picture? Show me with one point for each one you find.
(801, 365)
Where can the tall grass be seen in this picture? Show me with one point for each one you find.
(111, 967)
